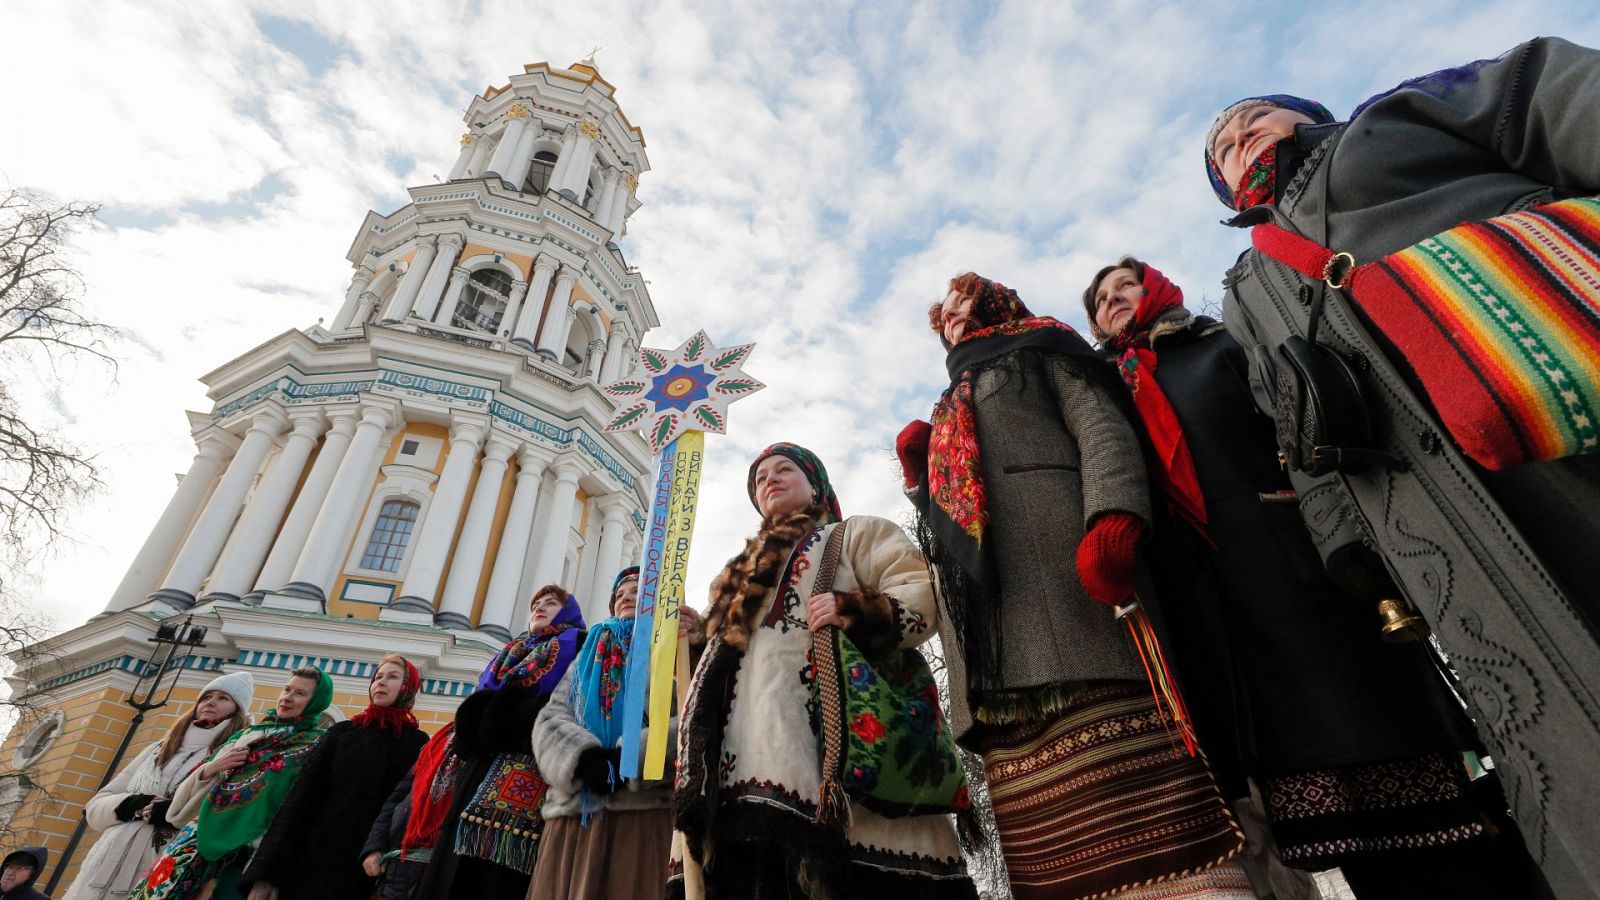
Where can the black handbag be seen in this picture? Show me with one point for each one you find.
(1320, 407)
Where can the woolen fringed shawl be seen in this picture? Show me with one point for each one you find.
(242, 805)
(433, 783)
(1136, 362)
(953, 513)
(538, 660)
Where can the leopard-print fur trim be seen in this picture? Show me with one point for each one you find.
(737, 592)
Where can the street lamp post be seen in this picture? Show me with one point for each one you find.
(169, 640)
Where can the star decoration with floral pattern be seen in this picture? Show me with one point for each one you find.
(673, 391)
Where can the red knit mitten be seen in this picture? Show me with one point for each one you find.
(912, 448)
(1106, 557)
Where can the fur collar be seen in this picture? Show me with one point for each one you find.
(738, 591)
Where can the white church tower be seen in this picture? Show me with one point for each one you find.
(404, 478)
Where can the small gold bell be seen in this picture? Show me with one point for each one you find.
(1401, 624)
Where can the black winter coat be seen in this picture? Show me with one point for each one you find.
(1284, 671)
(400, 878)
(313, 848)
(26, 891)
(490, 721)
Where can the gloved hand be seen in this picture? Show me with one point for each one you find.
(912, 449)
(597, 767)
(158, 812)
(130, 806)
(1106, 561)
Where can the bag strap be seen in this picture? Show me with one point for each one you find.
(1308, 258)
(833, 804)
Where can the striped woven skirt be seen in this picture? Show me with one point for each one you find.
(1102, 802)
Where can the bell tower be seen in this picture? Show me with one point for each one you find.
(403, 478)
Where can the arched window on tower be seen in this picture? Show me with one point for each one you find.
(483, 303)
(539, 171)
(390, 535)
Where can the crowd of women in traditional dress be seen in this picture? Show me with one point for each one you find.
(1177, 688)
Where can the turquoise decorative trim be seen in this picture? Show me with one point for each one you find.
(293, 390)
(131, 664)
(354, 668)
(437, 386)
(530, 423)
(638, 521)
(598, 453)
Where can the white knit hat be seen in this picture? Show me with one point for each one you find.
(241, 686)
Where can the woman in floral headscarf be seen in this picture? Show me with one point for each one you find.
(313, 849)
(1031, 497)
(231, 799)
(476, 791)
(749, 769)
(605, 835)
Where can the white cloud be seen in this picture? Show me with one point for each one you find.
(819, 170)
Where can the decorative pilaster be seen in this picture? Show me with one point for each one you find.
(252, 537)
(155, 555)
(352, 299)
(318, 565)
(577, 173)
(594, 358)
(459, 170)
(510, 139)
(438, 273)
(533, 306)
(558, 321)
(608, 195)
(608, 557)
(617, 216)
(553, 547)
(405, 296)
(452, 296)
(524, 155)
(481, 148)
(519, 290)
(616, 350)
(500, 602)
(206, 538)
(431, 545)
(569, 140)
(466, 567)
(279, 567)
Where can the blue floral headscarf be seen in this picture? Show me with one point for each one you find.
(1318, 114)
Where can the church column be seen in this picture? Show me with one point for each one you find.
(524, 154)
(613, 368)
(553, 543)
(411, 282)
(459, 170)
(608, 195)
(253, 535)
(481, 148)
(510, 139)
(500, 603)
(278, 568)
(205, 541)
(617, 215)
(365, 308)
(352, 299)
(594, 359)
(452, 296)
(466, 567)
(577, 174)
(608, 558)
(318, 566)
(155, 556)
(519, 290)
(438, 272)
(431, 545)
(533, 306)
(569, 140)
(558, 321)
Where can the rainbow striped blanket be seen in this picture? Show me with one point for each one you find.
(1500, 321)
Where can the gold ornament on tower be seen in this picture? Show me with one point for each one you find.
(588, 129)
(517, 111)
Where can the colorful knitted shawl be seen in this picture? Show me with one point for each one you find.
(954, 512)
(1257, 177)
(816, 473)
(538, 660)
(1137, 361)
(397, 716)
(600, 683)
(243, 803)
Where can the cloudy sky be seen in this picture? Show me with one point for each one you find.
(819, 170)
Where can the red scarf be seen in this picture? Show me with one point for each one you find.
(397, 716)
(1137, 360)
(433, 784)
